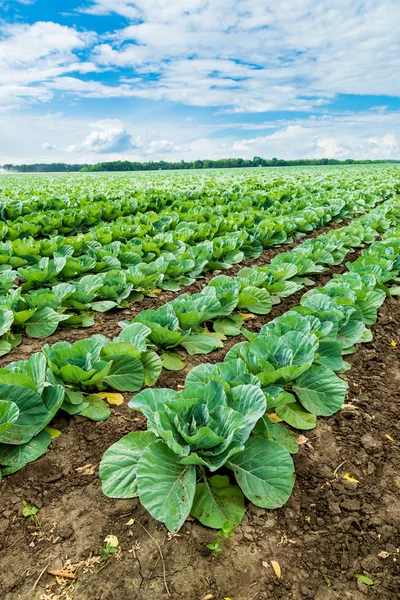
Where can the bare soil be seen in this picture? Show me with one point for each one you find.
(330, 530)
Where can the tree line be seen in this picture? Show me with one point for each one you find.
(162, 165)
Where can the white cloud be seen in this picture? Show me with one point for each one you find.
(106, 7)
(255, 57)
(369, 134)
(32, 54)
(109, 136)
(48, 146)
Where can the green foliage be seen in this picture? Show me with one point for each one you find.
(29, 511)
(226, 414)
(225, 533)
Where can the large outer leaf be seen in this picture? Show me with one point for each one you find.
(218, 502)
(9, 413)
(32, 415)
(35, 367)
(74, 375)
(201, 344)
(296, 416)
(330, 354)
(152, 367)
(44, 322)
(151, 401)
(166, 488)
(6, 320)
(95, 408)
(53, 397)
(20, 379)
(126, 373)
(351, 333)
(118, 465)
(320, 391)
(265, 472)
(19, 456)
(256, 300)
(136, 334)
(172, 361)
(368, 306)
(276, 433)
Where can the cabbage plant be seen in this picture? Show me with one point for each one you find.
(174, 466)
(27, 405)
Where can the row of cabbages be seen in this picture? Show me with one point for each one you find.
(40, 311)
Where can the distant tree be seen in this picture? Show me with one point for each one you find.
(222, 163)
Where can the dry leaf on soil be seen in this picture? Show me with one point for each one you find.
(114, 399)
(277, 568)
(87, 469)
(301, 440)
(112, 540)
(350, 478)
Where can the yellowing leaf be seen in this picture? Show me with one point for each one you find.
(130, 522)
(274, 418)
(277, 568)
(156, 291)
(114, 399)
(112, 540)
(393, 343)
(54, 433)
(389, 437)
(350, 478)
(247, 316)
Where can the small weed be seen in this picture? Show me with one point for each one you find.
(30, 511)
(109, 547)
(225, 533)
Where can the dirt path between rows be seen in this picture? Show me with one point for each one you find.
(331, 528)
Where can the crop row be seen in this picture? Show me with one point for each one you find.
(21, 196)
(190, 223)
(130, 215)
(228, 416)
(40, 311)
(68, 376)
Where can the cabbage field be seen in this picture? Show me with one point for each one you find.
(199, 384)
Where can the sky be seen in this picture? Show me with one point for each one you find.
(97, 80)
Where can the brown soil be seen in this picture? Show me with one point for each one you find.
(330, 529)
(107, 323)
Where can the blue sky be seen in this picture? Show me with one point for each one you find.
(91, 80)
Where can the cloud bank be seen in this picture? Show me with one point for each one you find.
(311, 78)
